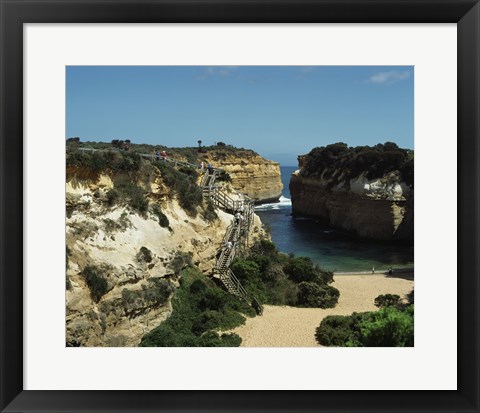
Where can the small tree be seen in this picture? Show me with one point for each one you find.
(199, 143)
(387, 300)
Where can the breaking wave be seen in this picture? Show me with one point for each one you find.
(282, 203)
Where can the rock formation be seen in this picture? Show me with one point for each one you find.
(122, 264)
(338, 188)
(251, 174)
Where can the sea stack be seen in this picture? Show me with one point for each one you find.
(364, 190)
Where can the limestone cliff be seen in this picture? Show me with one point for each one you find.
(363, 191)
(123, 263)
(251, 174)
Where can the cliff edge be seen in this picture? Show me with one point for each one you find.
(364, 190)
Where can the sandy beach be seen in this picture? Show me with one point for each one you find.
(295, 327)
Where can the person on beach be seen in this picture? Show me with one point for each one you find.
(390, 271)
(373, 270)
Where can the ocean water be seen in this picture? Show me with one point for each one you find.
(331, 249)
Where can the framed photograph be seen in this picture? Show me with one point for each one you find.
(337, 100)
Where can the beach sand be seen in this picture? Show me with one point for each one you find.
(283, 326)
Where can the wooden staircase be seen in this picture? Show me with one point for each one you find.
(236, 234)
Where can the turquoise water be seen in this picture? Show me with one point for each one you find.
(331, 249)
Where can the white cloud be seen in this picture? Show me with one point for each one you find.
(220, 71)
(387, 78)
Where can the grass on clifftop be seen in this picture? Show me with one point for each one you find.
(200, 311)
(338, 160)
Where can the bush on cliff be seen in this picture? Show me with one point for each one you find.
(96, 282)
(200, 311)
(184, 186)
(100, 161)
(338, 161)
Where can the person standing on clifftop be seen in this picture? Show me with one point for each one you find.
(164, 155)
(210, 169)
(202, 166)
(157, 156)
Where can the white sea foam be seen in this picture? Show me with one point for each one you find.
(282, 203)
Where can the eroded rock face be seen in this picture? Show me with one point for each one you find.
(134, 255)
(378, 209)
(251, 174)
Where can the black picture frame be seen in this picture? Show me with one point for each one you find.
(14, 13)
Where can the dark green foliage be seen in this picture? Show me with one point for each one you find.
(136, 196)
(338, 159)
(112, 196)
(180, 261)
(275, 278)
(387, 300)
(154, 294)
(105, 160)
(209, 212)
(311, 294)
(200, 310)
(223, 176)
(162, 218)
(335, 330)
(300, 269)
(184, 186)
(410, 297)
(96, 282)
(144, 255)
(388, 327)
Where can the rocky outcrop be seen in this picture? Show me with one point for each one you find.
(134, 260)
(251, 174)
(379, 208)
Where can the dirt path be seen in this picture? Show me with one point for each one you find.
(295, 327)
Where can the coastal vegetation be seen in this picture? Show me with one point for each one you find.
(391, 326)
(280, 279)
(201, 311)
(182, 182)
(339, 161)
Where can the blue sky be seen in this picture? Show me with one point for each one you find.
(278, 111)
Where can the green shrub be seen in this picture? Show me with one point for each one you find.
(112, 196)
(314, 295)
(209, 213)
(184, 186)
(180, 261)
(387, 300)
(154, 294)
(144, 255)
(335, 330)
(301, 269)
(200, 310)
(388, 327)
(96, 282)
(162, 218)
